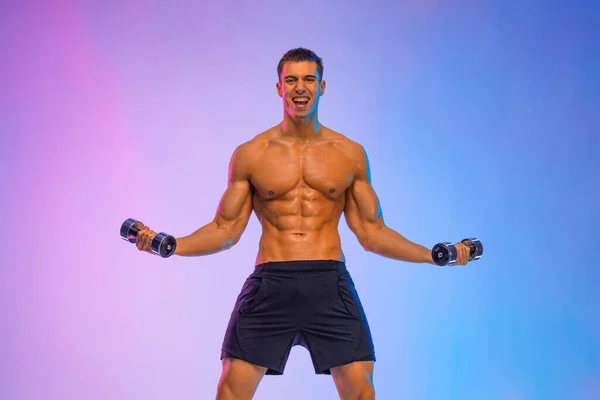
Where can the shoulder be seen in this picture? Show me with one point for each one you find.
(253, 146)
(354, 152)
(351, 149)
(246, 154)
(256, 144)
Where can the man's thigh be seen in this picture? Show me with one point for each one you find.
(239, 379)
(355, 380)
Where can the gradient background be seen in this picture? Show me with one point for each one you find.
(480, 118)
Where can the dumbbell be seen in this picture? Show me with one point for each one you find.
(446, 253)
(162, 244)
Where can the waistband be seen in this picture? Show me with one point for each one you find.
(301, 266)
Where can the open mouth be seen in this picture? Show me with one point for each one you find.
(301, 102)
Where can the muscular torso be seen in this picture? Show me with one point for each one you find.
(299, 195)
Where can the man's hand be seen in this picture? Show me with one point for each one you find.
(462, 254)
(144, 238)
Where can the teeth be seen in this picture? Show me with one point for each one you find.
(301, 99)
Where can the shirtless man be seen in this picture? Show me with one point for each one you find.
(299, 177)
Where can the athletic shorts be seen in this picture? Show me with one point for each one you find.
(313, 304)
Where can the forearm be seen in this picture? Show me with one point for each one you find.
(208, 239)
(388, 243)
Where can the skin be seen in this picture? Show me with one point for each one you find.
(321, 175)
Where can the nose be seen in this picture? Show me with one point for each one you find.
(300, 87)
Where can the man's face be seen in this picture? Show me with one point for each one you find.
(300, 87)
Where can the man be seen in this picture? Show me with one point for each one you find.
(299, 177)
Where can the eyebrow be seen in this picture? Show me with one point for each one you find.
(305, 76)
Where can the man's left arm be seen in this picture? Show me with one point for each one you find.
(365, 218)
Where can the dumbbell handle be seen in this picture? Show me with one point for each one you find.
(162, 244)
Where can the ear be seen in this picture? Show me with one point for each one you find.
(278, 87)
(322, 88)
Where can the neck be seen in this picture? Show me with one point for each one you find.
(304, 128)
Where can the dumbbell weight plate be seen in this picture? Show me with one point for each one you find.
(163, 244)
(129, 230)
(444, 254)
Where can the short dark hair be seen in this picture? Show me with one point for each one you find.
(300, 54)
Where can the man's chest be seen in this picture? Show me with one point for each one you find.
(281, 169)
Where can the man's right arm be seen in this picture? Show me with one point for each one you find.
(232, 216)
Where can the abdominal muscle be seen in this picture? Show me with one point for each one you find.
(293, 229)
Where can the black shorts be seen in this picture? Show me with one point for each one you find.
(309, 303)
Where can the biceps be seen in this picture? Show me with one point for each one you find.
(235, 206)
(363, 210)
